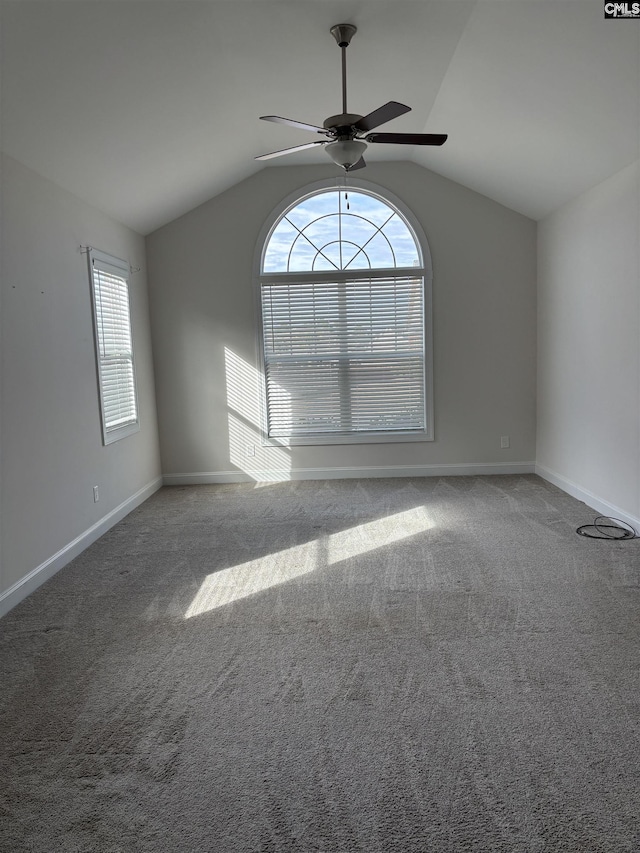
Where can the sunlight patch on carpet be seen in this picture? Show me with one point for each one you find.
(238, 582)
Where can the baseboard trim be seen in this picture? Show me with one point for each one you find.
(270, 476)
(26, 585)
(598, 504)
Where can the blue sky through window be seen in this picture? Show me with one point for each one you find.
(342, 230)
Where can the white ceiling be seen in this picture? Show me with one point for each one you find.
(148, 108)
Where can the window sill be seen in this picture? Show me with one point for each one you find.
(121, 432)
(349, 438)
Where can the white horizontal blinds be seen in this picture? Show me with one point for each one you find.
(115, 346)
(344, 357)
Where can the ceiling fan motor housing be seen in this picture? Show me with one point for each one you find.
(342, 124)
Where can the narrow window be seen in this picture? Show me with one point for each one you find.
(114, 345)
(343, 311)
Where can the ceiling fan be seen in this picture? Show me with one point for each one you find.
(348, 134)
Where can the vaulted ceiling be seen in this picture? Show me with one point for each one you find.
(146, 108)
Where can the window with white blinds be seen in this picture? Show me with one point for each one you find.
(114, 345)
(343, 324)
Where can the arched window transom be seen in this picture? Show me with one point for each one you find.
(340, 230)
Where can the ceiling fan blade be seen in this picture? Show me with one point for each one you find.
(383, 114)
(289, 150)
(292, 123)
(359, 165)
(408, 138)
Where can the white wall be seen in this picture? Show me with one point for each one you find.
(200, 270)
(52, 452)
(589, 346)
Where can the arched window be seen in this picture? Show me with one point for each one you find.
(344, 306)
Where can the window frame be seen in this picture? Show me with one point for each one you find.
(121, 269)
(425, 271)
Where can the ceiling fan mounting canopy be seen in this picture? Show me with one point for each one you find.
(348, 134)
(343, 33)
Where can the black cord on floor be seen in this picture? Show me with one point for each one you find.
(621, 528)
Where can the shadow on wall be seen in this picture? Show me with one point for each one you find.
(244, 392)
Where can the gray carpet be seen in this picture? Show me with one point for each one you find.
(385, 666)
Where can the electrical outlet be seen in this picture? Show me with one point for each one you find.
(250, 450)
(504, 441)
(96, 494)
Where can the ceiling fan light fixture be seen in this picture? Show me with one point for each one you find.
(346, 152)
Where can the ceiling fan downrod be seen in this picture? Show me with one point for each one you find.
(343, 33)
